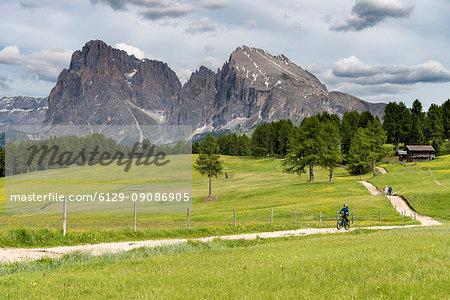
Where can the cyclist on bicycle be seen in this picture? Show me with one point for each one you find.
(346, 212)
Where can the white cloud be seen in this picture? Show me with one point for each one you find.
(368, 13)
(4, 82)
(184, 75)
(151, 9)
(357, 72)
(353, 67)
(31, 6)
(204, 25)
(44, 65)
(378, 82)
(215, 4)
(251, 24)
(211, 63)
(208, 48)
(10, 55)
(131, 50)
(166, 9)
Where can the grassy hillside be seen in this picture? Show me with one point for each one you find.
(425, 185)
(394, 264)
(254, 187)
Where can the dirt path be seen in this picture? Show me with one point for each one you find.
(8, 255)
(382, 170)
(400, 204)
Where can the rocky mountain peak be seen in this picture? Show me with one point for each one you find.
(264, 71)
(104, 85)
(134, 91)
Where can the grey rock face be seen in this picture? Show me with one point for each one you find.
(22, 111)
(254, 87)
(106, 86)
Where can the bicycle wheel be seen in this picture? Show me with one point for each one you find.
(339, 224)
(347, 225)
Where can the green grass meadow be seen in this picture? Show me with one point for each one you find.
(425, 185)
(253, 188)
(406, 263)
(410, 263)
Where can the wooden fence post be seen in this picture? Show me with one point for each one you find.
(271, 216)
(64, 215)
(337, 216)
(135, 210)
(379, 217)
(320, 217)
(135, 223)
(402, 217)
(188, 218)
(352, 217)
(234, 212)
(295, 217)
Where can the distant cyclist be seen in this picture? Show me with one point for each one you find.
(346, 212)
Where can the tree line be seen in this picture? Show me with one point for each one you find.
(28, 156)
(320, 140)
(325, 140)
(414, 126)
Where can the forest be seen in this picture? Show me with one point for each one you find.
(324, 140)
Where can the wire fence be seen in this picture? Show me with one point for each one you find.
(263, 217)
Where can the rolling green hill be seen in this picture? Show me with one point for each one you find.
(394, 264)
(425, 185)
(254, 187)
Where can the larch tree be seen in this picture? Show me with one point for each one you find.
(376, 138)
(330, 153)
(208, 161)
(304, 148)
(366, 148)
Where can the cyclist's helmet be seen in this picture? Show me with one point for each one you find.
(345, 204)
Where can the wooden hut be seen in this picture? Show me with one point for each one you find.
(401, 155)
(418, 153)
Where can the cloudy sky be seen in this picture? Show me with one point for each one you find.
(378, 50)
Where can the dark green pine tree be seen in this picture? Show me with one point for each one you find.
(208, 161)
(2, 163)
(417, 113)
(347, 129)
(358, 159)
(305, 148)
(404, 122)
(434, 123)
(445, 110)
(330, 154)
(377, 138)
(365, 118)
(244, 145)
(391, 123)
(366, 148)
(436, 144)
(261, 141)
(196, 147)
(415, 136)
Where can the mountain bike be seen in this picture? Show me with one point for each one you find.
(342, 222)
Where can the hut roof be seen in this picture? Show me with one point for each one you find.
(413, 148)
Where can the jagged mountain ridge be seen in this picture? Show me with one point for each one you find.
(22, 111)
(106, 86)
(253, 87)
